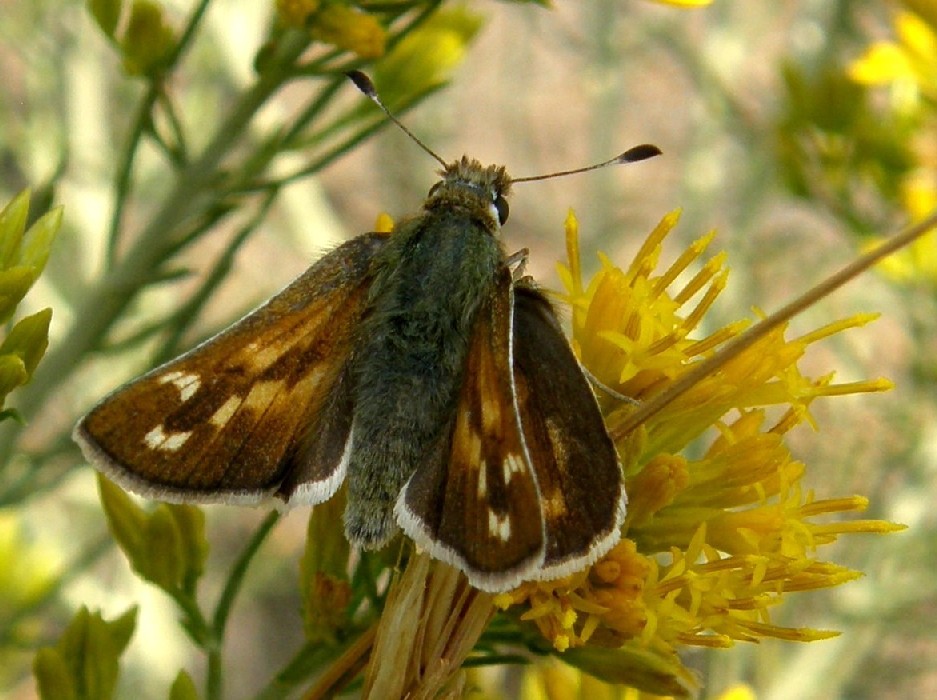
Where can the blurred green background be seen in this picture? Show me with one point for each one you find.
(766, 136)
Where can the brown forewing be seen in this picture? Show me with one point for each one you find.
(575, 461)
(474, 501)
(221, 422)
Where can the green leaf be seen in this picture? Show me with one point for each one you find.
(12, 374)
(126, 521)
(106, 13)
(12, 224)
(38, 240)
(324, 573)
(183, 688)
(14, 283)
(164, 558)
(327, 549)
(29, 339)
(85, 662)
(122, 629)
(190, 520)
(163, 547)
(635, 666)
(8, 413)
(53, 679)
(28, 251)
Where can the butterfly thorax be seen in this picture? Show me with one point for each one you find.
(431, 278)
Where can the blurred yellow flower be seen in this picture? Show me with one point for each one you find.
(337, 24)
(425, 58)
(349, 28)
(295, 13)
(711, 543)
(552, 680)
(148, 39)
(28, 571)
(908, 67)
(918, 261)
(684, 3)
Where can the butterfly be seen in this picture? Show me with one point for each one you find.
(422, 370)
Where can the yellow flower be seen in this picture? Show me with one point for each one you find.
(910, 65)
(336, 24)
(351, 29)
(909, 68)
(710, 543)
(919, 196)
(295, 13)
(554, 681)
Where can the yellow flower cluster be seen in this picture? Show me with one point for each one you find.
(712, 543)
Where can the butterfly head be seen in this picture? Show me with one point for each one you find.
(467, 184)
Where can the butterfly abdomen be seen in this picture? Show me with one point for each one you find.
(410, 358)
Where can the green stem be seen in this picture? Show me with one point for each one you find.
(214, 635)
(188, 312)
(204, 637)
(141, 120)
(125, 170)
(214, 681)
(236, 578)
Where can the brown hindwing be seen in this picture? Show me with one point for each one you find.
(575, 461)
(474, 502)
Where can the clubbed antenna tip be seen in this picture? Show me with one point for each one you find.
(363, 83)
(632, 155)
(636, 153)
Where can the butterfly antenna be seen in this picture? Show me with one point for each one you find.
(363, 83)
(632, 155)
(733, 349)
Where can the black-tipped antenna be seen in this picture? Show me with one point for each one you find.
(363, 83)
(632, 155)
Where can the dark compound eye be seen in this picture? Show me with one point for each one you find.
(432, 190)
(501, 205)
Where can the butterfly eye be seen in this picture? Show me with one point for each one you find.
(501, 205)
(432, 190)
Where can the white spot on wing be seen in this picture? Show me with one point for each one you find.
(159, 439)
(499, 526)
(513, 464)
(175, 441)
(187, 384)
